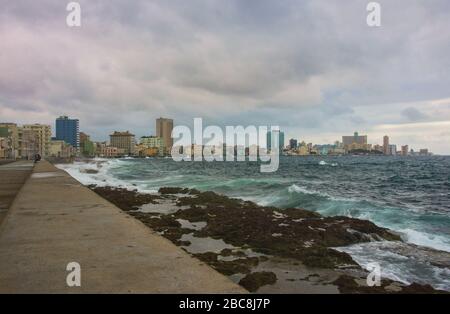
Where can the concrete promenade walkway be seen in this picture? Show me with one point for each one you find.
(54, 220)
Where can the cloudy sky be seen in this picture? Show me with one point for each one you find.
(313, 67)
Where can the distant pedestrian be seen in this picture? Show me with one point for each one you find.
(37, 158)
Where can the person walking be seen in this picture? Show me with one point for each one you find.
(37, 158)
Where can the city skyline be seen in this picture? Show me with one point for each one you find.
(324, 72)
(67, 130)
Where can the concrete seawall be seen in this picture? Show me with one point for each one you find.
(12, 177)
(54, 220)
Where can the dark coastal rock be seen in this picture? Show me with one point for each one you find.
(90, 171)
(164, 224)
(291, 233)
(230, 252)
(348, 284)
(236, 266)
(173, 190)
(421, 289)
(125, 199)
(252, 282)
(211, 199)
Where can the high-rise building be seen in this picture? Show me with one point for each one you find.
(355, 139)
(68, 130)
(164, 129)
(386, 150)
(293, 143)
(276, 133)
(124, 141)
(355, 142)
(44, 135)
(392, 150)
(405, 150)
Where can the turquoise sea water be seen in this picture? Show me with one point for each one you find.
(410, 195)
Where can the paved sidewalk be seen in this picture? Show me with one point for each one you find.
(54, 220)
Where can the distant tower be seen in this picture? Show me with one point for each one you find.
(405, 150)
(277, 133)
(293, 143)
(68, 130)
(386, 149)
(164, 129)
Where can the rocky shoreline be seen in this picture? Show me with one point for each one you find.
(264, 249)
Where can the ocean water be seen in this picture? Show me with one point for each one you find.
(410, 195)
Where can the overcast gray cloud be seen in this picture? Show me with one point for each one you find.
(314, 67)
(413, 114)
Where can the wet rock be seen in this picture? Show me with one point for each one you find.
(90, 171)
(422, 289)
(305, 236)
(302, 234)
(226, 252)
(125, 199)
(348, 284)
(173, 190)
(182, 243)
(252, 282)
(236, 266)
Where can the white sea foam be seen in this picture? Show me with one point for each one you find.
(324, 163)
(425, 239)
(102, 177)
(404, 262)
(262, 200)
(294, 188)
